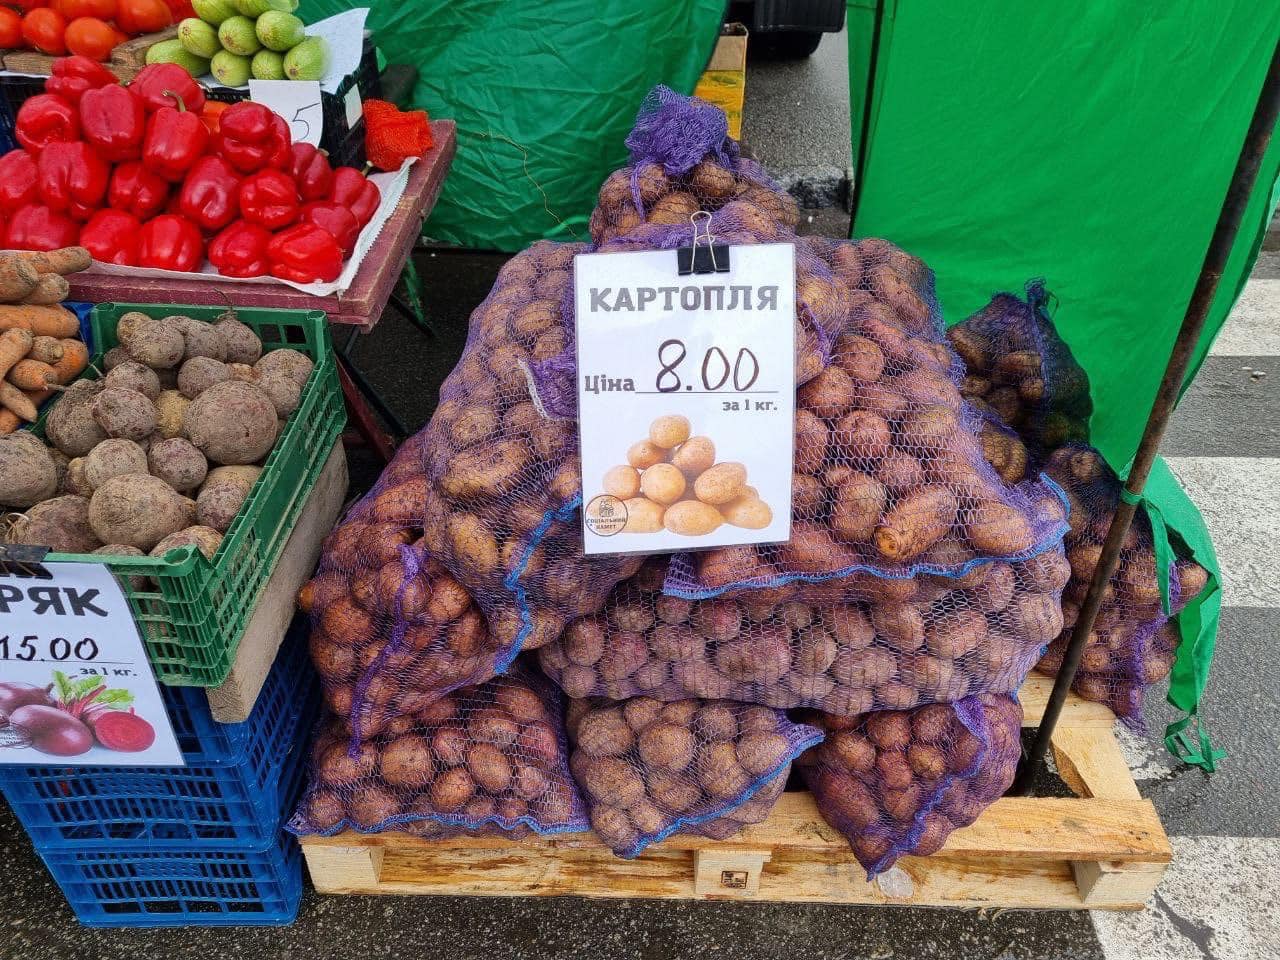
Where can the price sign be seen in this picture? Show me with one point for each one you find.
(298, 101)
(686, 399)
(76, 687)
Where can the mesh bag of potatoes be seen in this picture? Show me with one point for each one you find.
(683, 161)
(649, 769)
(898, 782)
(490, 758)
(1020, 369)
(869, 645)
(1133, 642)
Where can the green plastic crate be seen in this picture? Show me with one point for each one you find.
(192, 612)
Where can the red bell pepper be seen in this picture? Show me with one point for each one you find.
(356, 192)
(304, 253)
(269, 199)
(45, 119)
(241, 250)
(72, 179)
(252, 137)
(311, 171)
(336, 219)
(175, 140)
(171, 243)
(209, 197)
(36, 227)
(111, 236)
(112, 120)
(73, 77)
(137, 191)
(17, 180)
(160, 85)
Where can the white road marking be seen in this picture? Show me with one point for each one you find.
(1253, 329)
(1237, 497)
(1217, 901)
(1147, 757)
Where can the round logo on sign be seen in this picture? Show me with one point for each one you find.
(606, 515)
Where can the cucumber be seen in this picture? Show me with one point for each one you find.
(213, 11)
(172, 51)
(237, 35)
(256, 8)
(230, 69)
(279, 31)
(268, 65)
(198, 38)
(308, 60)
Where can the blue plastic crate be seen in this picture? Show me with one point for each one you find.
(184, 888)
(239, 776)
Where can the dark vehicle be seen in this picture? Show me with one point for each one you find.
(787, 28)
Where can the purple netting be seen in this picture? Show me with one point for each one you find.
(485, 759)
(649, 769)
(866, 645)
(1019, 368)
(899, 782)
(1133, 642)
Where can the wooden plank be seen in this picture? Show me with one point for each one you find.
(127, 58)
(1076, 713)
(339, 869)
(1092, 764)
(728, 874)
(232, 701)
(361, 305)
(1116, 885)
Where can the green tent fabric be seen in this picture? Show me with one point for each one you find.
(1088, 143)
(543, 93)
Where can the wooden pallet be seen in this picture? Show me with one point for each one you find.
(1101, 849)
(126, 61)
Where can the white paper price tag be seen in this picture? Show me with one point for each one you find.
(686, 400)
(76, 687)
(298, 101)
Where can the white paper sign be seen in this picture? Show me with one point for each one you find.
(76, 687)
(298, 101)
(686, 400)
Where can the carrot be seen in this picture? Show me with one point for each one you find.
(32, 375)
(17, 401)
(52, 288)
(14, 345)
(75, 357)
(45, 349)
(40, 320)
(9, 422)
(64, 261)
(17, 277)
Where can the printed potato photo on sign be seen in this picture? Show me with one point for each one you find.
(686, 435)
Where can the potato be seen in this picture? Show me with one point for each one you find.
(694, 457)
(998, 529)
(662, 483)
(406, 762)
(489, 768)
(138, 510)
(610, 779)
(205, 539)
(859, 357)
(748, 512)
(199, 374)
(900, 473)
(622, 482)
(829, 394)
(132, 375)
(812, 549)
(644, 454)
(231, 423)
(675, 208)
(669, 431)
(762, 753)
(860, 500)
(721, 483)
(171, 409)
(604, 733)
(719, 772)
(915, 523)
(28, 473)
(667, 746)
(861, 436)
(612, 825)
(643, 515)
(451, 789)
(154, 343)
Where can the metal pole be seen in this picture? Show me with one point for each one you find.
(1255, 146)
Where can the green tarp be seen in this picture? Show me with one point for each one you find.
(543, 93)
(1089, 143)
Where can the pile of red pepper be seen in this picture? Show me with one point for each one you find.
(135, 176)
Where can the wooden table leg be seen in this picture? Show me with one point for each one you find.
(362, 417)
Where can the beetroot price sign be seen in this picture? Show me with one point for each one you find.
(75, 683)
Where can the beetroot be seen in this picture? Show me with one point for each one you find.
(122, 730)
(52, 730)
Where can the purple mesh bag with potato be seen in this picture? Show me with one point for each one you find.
(898, 782)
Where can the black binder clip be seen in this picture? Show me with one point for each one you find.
(704, 255)
(23, 560)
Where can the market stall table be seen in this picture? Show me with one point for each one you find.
(359, 307)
